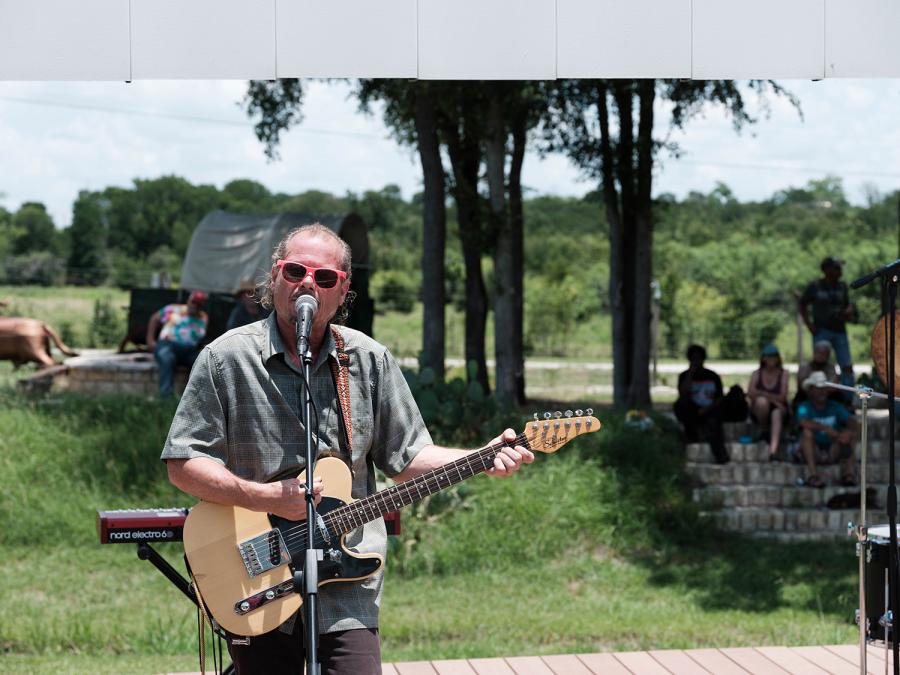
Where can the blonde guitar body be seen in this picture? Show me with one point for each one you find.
(213, 532)
(243, 562)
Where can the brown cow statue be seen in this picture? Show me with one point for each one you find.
(24, 340)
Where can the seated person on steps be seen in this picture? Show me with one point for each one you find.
(699, 404)
(821, 361)
(767, 395)
(829, 431)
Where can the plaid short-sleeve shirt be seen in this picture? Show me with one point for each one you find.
(241, 407)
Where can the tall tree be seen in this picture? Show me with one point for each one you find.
(88, 264)
(36, 232)
(622, 157)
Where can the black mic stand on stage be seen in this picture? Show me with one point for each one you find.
(306, 582)
(890, 275)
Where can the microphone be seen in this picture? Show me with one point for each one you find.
(306, 306)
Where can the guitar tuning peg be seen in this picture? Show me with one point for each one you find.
(557, 414)
(546, 416)
(579, 413)
(590, 411)
(535, 417)
(568, 413)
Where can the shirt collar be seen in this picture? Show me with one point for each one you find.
(275, 345)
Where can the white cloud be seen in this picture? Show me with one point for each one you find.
(59, 138)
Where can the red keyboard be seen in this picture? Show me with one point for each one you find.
(130, 526)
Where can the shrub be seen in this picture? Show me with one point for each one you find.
(394, 290)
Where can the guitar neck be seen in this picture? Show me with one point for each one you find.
(351, 516)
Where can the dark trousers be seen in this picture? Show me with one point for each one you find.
(706, 427)
(168, 356)
(349, 652)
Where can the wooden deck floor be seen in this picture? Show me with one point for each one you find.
(829, 660)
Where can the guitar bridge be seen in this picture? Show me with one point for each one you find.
(264, 552)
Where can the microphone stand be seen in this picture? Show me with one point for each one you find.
(307, 581)
(889, 281)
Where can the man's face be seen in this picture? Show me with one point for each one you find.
(833, 272)
(313, 251)
(820, 354)
(194, 308)
(818, 395)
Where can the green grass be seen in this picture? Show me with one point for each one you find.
(596, 547)
(67, 309)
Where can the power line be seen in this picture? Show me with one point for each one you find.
(178, 117)
(368, 136)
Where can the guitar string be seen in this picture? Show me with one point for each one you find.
(297, 534)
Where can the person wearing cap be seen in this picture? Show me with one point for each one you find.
(829, 300)
(181, 328)
(820, 361)
(767, 396)
(247, 308)
(828, 435)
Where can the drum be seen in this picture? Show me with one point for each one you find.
(877, 551)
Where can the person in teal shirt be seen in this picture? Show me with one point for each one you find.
(183, 328)
(829, 430)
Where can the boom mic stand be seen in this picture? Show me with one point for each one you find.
(890, 276)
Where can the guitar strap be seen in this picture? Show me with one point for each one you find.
(340, 371)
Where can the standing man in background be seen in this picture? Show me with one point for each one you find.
(831, 310)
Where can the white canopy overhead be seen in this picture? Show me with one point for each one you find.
(447, 39)
(229, 250)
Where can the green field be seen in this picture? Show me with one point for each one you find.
(595, 547)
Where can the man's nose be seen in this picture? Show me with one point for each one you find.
(308, 280)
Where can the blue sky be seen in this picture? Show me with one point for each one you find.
(57, 138)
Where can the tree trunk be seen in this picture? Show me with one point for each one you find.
(465, 158)
(517, 227)
(434, 235)
(504, 272)
(639, 388)
(620, 349)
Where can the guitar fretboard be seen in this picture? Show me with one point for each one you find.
(349, 517)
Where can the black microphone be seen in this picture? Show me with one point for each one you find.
(306, 306)
(884, 271)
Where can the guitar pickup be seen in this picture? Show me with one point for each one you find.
(264, 552)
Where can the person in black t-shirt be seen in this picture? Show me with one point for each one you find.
(699, 404)
(829, 300)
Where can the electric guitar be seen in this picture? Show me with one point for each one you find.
(243, 561)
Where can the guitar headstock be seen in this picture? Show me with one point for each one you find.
(557, 429)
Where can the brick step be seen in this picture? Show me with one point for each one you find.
(728, 496)
(758, 519)
(878, 450)
(773, 473)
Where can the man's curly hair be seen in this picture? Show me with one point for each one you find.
(264, 286)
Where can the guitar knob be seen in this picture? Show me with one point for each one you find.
(557, 414)
(579, 412)
(245, 606)
(270, 595)
(535, 417)
(568, 413)
(590, 411)
(546, 416)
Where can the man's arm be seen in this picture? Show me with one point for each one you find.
(208, 480)
(802, 303)
(431, 457)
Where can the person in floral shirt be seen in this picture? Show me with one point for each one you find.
(183, 329)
